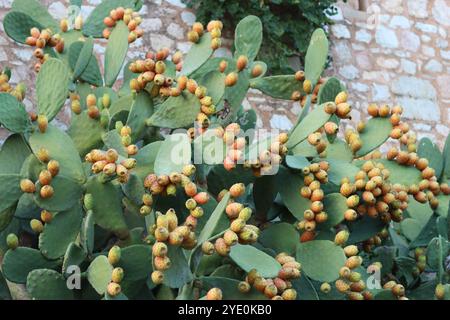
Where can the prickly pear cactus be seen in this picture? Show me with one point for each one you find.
(117, 208)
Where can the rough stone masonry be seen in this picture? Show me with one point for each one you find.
(397, 51)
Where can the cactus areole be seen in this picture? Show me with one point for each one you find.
(210, 209)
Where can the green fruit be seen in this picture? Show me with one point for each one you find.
(117, 275)
(88, 201)
(12, 241)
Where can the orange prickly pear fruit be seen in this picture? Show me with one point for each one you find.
(231, 79)
(27, 186)
(214, 294)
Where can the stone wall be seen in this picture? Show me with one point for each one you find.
(398, 51)
(406, 59)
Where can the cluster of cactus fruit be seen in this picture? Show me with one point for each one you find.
(126, 205)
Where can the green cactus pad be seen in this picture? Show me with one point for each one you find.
(297, 162)
(87, 236)
(341, 169)
(60, 232)
(9, 190)
(179, 273)
(235, 95)
(19, 262)
(13, 154)
(217, 222)
(66, 194)
(86, 133)
(247, 120)
(198, 54)
(304, 149)
(321, 259)
(316, 56)
(173, 155)
(214, 82)
(84, 57)
(419, 211)
(4, 290)
(74, 256)
(146, 158)
(125, 89)
(265, 191)
(428, 232)
(99, 274)
(219, 179)
(248, 257)
(229, 289)
(136, 261)
(329, 90)
(176, 112)
(85, 65)
(94, 26)
(52, 87)
(113, 140)
(405, 175)
(27, 208)
(45, 284)
(279, 87)
(281, 237)
(437, 251)
(18, 24)
(36, 11)
(116, 52)
(376, 133)
(428, 150)
(339, 150)
(62, 149)
(248, 37)
(311, 123)
(6, 216)
(107, 206)
(134, 189)
(364, 228)
(335, 206)
(443, 207)
(13, 115)
(289, 187)
(141, 109)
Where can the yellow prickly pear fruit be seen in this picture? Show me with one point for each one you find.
(78, 23)
(42, 123)
(214, 294)
(27, 186)
(46, 192)
(341, 237)
(117, 275)
(36, 226)
(46, 216)
(341, 97)
(114, 255)
(106, 101)
(307, 86)
(193, 36)
(208, 248)
(157, 277)
(113, 289)
(64, 25)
